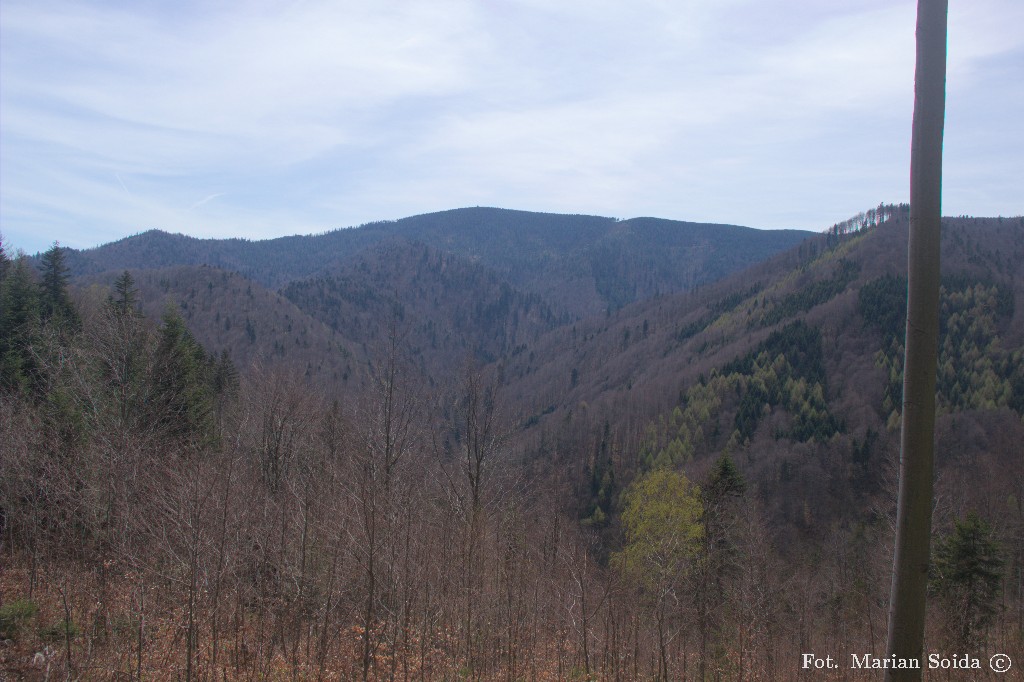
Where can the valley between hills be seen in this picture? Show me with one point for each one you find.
(492, 444)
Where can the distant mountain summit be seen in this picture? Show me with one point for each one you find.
(579, 264)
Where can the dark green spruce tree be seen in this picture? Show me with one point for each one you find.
(967, 575)
(54, 301)
(182, 397)
(5, 261)
(122, 347)
(19, 325)
(125, 296)
(723, 497)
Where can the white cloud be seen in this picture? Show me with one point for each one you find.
(268, 118)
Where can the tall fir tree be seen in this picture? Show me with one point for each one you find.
(182, 392)
(125, 296)
(122, 344)
(55, 302)
(19, 323)
(719, 570)
(967, 577)
(5, 260)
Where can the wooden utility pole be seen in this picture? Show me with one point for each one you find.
(917, 443)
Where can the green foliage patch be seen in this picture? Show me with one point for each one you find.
(716, 310)
(786, 370)
(59, 631)
(662, 520)
(816, 293)
(14, 616)
(975, 371)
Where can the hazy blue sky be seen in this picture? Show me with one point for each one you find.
(260, 119)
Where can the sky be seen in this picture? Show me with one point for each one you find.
(259, 119)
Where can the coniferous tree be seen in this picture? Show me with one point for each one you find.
(5, 260)
(967, 576)
(121, 345)
(182, 395)
(126, 293)
(55, 303)
(19, 321)
(224, 378)
(225, 383)
(719, 571)
(726, 481)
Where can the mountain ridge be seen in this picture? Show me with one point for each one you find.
(555, 255)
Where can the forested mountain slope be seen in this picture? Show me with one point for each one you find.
(793, 368)
(580, 264)
(227, 312)
(469, 284)
(445, 309)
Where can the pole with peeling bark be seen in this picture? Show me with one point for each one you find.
(917, 443)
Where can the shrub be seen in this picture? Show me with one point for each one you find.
(58, 631)
(14, 615)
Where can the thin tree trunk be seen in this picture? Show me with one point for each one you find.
(219, 576)
(371, 577)
(328, 605)
(299, 609)
(913, 530)
(141, 629)
(193, 586)
(67, 628)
